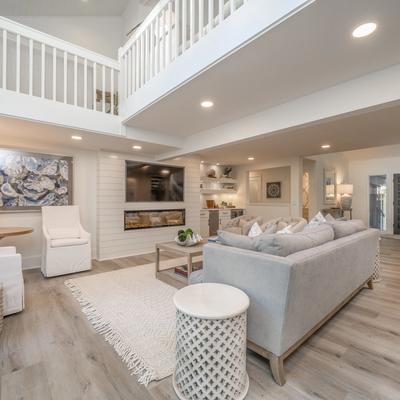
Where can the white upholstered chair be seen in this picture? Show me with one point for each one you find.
(12, 281)
(66, 245)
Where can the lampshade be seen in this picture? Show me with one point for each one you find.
(345, 188)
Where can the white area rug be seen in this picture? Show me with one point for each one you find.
(135, 313)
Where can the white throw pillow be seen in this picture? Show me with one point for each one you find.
(317, 220)
(255, 230)
(329, 218)
(64, 233)
(285, 231)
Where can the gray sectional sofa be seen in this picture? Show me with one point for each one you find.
(292, 295)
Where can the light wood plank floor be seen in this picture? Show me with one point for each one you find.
(50, 351)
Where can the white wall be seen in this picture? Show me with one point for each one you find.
(84, 195)
(99, 34)
(134, 14)
(113, 241)
(293, 208)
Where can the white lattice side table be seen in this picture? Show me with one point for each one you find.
(211, 343)
(376, 276)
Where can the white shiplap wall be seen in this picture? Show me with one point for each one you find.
(112, 240)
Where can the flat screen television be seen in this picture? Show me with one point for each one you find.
(153, 182)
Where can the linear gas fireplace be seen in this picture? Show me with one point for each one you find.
(153, 219)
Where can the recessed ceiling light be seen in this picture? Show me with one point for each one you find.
(207, 104)
(165, 171)
(113, 156)
(251, 158)
(137, 147)
(217, 163)
(76, 137)
(202, 162)
(326, 146)
(364, 30)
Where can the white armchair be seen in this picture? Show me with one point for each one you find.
(66, 245)
(12, 280)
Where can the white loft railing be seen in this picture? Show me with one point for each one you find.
(37, 64)
(172, 27)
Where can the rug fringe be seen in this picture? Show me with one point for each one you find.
(135, 364)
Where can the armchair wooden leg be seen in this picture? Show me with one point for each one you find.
(276, 365)
(370, 284)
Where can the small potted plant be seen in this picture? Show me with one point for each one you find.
(187, 237)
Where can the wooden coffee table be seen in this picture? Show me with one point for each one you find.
(189, 253)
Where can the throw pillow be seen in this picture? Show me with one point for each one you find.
(235, 240)
(270, 228)
(317, 219)
(285, 231)
(283, 245)
(329, 218)
(347, 228)
(281, 225)
(255, 230)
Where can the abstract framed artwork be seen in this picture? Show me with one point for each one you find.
(29, 181)
(274, 190)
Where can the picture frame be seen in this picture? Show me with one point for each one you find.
(329, 186)
(274, 190)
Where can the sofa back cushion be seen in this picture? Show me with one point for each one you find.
(347, 228)
(283, 245)
(235, 240)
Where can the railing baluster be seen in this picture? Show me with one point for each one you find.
(151, 61)
(134, 68)
(4, 59)
(169, 25)
(210, 14)
(18, 64)
(201, 18)
(137, 64)
(233, 6)
(65, 77)
(94, 85)
(85, 83)
(157, 48)
(75, 79)
(30, 67)
(103, 84)
(54, 74)
(184, 25)
(129, 73)
(147, 56)
(112, 92)
(162, 40)
(177, 30)
(43, 87)
(221, 10)
(192, 22)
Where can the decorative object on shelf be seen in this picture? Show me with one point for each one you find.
(211, 173)
(210, 203)
(345, 190)
(30, 180)
(227, 172)
(329, 186)
(274, 190)
(187, 238)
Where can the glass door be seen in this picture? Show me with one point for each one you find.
(377, 202)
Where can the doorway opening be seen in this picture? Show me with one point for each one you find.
(377, 202)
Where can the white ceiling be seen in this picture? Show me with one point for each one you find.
(308, 52)
(31, 135)
(374, 128)
(62, 7)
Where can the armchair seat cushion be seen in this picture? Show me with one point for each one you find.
(69, 242)
(64, 233)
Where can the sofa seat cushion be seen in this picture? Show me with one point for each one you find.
(64, 233)
(69, 242)
(347, 228)
(283, 245)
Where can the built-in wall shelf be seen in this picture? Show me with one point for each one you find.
(205, 179)
(217, 191)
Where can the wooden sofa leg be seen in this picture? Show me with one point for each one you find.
(370, 284)
(276, 365)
